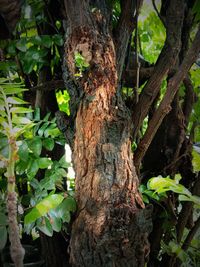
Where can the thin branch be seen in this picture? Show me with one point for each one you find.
(190, 99)
(164, 106)
(124, 29)
(191, 234)
(49, 86)
(129, 77)
(186, 211)
(137, 58)
(165, 62)
(158, 13)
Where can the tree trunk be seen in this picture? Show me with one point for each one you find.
(108, 230)
(111, 226)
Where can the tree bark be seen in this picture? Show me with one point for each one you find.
(111, 226)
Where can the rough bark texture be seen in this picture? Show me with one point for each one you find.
(111, 227)
(16, 250)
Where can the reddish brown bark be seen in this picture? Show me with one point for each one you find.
(111, 227)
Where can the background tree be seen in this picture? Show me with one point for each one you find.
(130, 117)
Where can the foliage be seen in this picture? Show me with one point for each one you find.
(196, 10)
(161, 185)
(63, 101)
(12, 126)
(152, 36)
(80, 63)
(156, 190)
(45, 209)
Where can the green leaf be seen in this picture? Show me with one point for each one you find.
(44, 163)
(3, 142)
(37, 114)
(80, 61)
(23, 129)
(63, 213)
(36, 40)
(32, 169)
(48, 183)
(3, 219)
(58, 39)
(68, 204)
(35, 145)
(4, 149)
(32, 216)
(48, 203)
(28, 66)
(22, 166)
(46, 118)
(23, 151)
(196, 160)
(56, 222)
(11, 89)
(63, 163)
(48, 143)
(3, 235)
(12, 48)
(52, 132)
(21, 45)
(43, 207)
(145, 199)
(15, 100)
(151, 194)
(20, 110)
(43, 128)
(46, 41)
(45, 227)
(145, 37)
(62, 172)
(184, 198)
(196, 10)
(21, 120)
(142, 188)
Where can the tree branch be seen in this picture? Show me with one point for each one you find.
(158, 13)
(190, 99)
(124, 29)
(49, 86)
(164, 106)
(191, 234)
(165, 62)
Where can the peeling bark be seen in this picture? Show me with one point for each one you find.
(111, 226)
